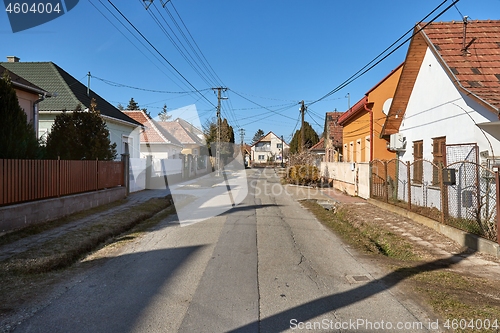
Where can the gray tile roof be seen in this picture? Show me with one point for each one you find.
(70, 92)
(21, 83)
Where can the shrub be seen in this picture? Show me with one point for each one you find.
(303, 174)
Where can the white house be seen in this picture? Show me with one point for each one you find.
(67, 93)
(446, 105)
(155, 141)
(268, 149)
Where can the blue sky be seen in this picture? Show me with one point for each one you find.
(270, 54)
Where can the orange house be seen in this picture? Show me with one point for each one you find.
(362, 123)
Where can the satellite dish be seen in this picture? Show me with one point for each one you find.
(387, 106)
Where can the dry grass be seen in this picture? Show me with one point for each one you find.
(26, 275)
(451, 294)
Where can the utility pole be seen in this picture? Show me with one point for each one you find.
(88, 85)
(217, 153)
(242, 135)
(302, 138)
(282, 151)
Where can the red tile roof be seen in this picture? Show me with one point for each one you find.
(477, 68)
(178, 132)
(151, 133)
(319, 146)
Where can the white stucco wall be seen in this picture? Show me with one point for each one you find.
(437, 108)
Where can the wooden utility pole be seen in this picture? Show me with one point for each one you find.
(302, 138)
(217, 150)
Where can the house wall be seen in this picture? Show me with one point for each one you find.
(121, 133)
(160, 151)
(437, 108)
(26, 101)
(380, 96)
(354, 138)
(350, 178)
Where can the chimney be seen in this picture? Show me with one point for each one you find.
(12, 59)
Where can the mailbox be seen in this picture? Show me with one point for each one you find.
(449, 177)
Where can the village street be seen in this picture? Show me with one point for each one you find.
(267, 265)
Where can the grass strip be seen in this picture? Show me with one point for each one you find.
(459, 298)
(64, 250)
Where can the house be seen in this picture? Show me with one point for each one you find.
(67, 93)
(333, 137)
(319, 150)
(268, 149)
(446, 110)
(192, 144)
(363, 122)
(448, 96)
(155, 141)
(28, 95)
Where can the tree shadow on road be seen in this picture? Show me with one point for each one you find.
(307, 311)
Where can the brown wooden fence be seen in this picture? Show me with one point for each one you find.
(28, 180)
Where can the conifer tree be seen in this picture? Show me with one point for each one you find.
(17, 137)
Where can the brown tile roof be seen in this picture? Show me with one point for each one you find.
(478, 67)
(179, 132)
(151, 133)
(319, 146)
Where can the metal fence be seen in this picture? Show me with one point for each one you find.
(28, 180)
(463, 194)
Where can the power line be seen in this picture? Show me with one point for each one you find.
(367, 67)
(121, 85)
(161, 55)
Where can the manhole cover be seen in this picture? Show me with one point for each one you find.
(358, 278)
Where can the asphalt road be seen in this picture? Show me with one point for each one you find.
(267, 265)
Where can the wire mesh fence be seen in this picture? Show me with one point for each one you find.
(463, 194)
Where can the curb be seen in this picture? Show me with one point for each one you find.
(463, 238)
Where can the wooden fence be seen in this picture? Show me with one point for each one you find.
(28, 180)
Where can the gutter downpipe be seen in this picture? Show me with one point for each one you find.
(371, 128)
(35, 111)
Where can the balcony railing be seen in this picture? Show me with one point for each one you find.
(263, 148)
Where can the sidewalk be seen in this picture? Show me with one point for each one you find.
(434, 245)
(24, 244)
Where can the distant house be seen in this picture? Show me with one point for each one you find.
(363, 122)
(191, 144)
(68, 93)
(268, 149)
(332, 137)
(448, 97)
(28, 95)
(155, 141)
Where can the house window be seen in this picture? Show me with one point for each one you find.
(262, 157)
(438, 146)
(358, 150)
(418, 163)
(346, 152)
(367, 149)
(278, 145)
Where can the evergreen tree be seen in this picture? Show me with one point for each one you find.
(163, 115)
(132, 105)
(80, 135)
(258, 135)
(226, 137)
(17, 137)
(120, 107)
(310, 138)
